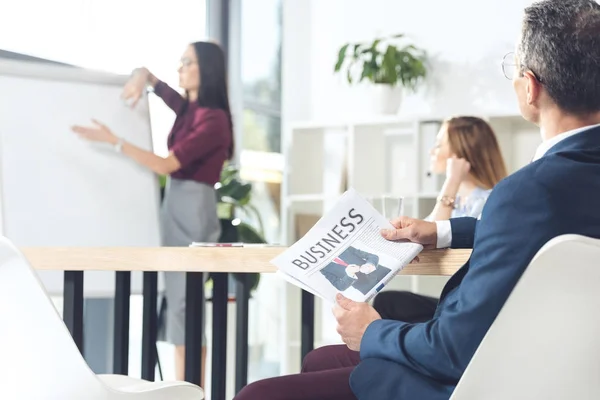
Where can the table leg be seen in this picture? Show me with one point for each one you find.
(149, 325)
(242, 296)
(220, 299)
(194, 330)
(121, 323)
(307, 323)
(73, 305)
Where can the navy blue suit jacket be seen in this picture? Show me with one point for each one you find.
(558, 194)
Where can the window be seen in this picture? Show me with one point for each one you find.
(261, 74)
(261, 161)
(262, 164)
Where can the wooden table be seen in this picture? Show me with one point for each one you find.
(194, 261)
(203, 259)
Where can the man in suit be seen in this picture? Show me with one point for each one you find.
(557, 82)
(357, 268)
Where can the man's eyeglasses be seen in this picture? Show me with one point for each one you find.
(510, 67)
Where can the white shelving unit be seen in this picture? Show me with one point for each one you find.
(386, 156)
(381, 156)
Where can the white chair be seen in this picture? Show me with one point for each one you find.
(545, 343)
(38, 358)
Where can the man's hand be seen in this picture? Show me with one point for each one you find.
(413, 230)
(353, 319)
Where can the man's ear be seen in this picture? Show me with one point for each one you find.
(533, 88)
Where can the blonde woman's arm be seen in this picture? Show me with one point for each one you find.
(457, 170)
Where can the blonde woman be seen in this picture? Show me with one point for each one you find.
(467, 151)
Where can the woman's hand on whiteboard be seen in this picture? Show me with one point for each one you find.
(101, 133)
(96, 133)
(135, 86)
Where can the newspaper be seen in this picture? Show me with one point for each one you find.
(345, 253)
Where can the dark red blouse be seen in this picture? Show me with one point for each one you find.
(200, 138)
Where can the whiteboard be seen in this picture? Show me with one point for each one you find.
(59, 190)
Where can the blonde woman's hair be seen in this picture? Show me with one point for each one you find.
(474, 140)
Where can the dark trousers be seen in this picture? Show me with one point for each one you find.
(326, 371)
(405, 306)
(325, 376)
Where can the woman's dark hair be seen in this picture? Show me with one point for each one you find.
(213, 81)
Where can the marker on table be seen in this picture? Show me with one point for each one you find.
(209, 244)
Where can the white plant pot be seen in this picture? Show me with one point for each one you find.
(385, 99)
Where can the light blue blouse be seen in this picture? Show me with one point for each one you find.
(469, 206)
(473, 205)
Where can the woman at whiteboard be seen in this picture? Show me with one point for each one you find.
(200, 142)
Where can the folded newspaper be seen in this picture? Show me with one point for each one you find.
(345, 253)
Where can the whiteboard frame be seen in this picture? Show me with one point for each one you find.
(38, 70)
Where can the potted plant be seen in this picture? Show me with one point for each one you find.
(234, 210)
(388, 64)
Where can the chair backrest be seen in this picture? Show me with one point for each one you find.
(38, 358)
(545, 342)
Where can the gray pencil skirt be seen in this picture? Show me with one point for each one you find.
(188, 214)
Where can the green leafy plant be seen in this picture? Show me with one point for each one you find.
(384, 61)
(234, 207)
(233, 196)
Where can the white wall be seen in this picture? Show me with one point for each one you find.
(465, 38)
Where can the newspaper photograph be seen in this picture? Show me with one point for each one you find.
(345, 253)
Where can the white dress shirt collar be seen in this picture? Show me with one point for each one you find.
(548, 144)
